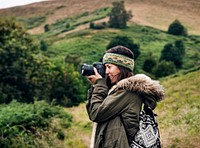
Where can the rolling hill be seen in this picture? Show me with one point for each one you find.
(154, 13)
(178, 114)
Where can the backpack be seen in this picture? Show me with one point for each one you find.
(148, 135)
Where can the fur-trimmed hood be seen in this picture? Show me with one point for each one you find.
(150, 90)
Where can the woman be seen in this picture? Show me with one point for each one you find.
(115, 102)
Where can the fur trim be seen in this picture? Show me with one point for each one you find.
(142, 84)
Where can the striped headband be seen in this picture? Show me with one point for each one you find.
(119, 60)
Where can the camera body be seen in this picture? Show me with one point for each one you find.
(87, 70)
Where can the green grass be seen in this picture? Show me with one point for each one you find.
(91, 44)
(179, 113)
(33, 21)
(71, 23)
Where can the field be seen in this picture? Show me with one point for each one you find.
(158, 14)
(69, 34)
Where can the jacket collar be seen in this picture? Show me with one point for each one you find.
(143, 85)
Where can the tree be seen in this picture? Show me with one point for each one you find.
(68, 88)
(74, 59)
(174, 52)
(46, 27)
(149, 64)
(180, 47)
(127, 42)
(119, 16)
(176, 28)
(26, 74)
(16, 51)
(164, 68)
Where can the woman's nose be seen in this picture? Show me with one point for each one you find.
(107, 71)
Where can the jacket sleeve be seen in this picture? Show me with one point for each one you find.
(101, 106)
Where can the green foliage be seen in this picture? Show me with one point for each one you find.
(119, 16)
(149, 64)
(21, 124)
(46, 27)
(61, 135)
(71, 23)
(127, 42)
(174, 52)
(67, 86)
(43, 45)
(102, 25)
(33, 21)
(17, 49)
(25, 73)
(176, 28)
(164, 68)
(75, 60)
(90, 45)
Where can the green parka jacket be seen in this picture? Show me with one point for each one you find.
(122, 102)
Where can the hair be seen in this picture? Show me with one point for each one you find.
(124, 72)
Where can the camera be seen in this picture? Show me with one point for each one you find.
(87, 70)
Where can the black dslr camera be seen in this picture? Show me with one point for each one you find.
(87, 70)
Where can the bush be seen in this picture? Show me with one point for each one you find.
(46, 27)
(164, 68)
(43, 45)
(149, 64)
(67, 86)
(176, 28)
(21, 124)
(173, 52)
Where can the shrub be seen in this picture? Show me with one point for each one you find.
(176, 28)
(173, 52)
(21, 124)
(43, 45)
(46, 27)
(92, 25)
(164, 68)
(67, 25)
(67, 86)
(149, 64)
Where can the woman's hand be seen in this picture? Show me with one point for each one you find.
(93, 78)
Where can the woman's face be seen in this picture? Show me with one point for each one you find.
(112, 71)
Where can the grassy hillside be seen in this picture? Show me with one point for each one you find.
(154, 13)
(91, 44)
(178, 115)
(69, 34)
